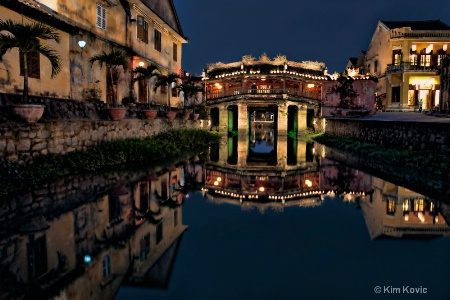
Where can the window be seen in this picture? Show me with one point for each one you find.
(397, 57)
(175, 52)
(175, 218)
(34, 70)
(144, 246)
(101, 17)
(390, 207)
(174, 92)
(157, 40)
(106, 266)
(114, 209)
(142, 29)
(396, 94)
(425, 60)
(143, 192)
(375, 66)
(159, 233)
(413, 59)
(37, 257)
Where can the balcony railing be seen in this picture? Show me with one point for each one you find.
(269, 93)
(408, 67)
(396, 34)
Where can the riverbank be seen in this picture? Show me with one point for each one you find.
(130, 153)
(420, 170)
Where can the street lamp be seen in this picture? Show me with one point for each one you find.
(82, 44)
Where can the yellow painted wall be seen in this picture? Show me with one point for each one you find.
(12, 82)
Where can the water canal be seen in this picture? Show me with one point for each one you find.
(270, 218)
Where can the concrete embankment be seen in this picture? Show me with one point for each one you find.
(21, 141)
(399, 130)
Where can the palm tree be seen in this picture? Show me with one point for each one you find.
(191, 91)
(113, 61)
(28, 38)
(166, 80)
(146, 73)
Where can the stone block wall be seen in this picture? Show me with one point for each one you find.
(20, 141)
(401, 135)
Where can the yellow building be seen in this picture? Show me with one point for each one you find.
(148, 31)
(407, 57)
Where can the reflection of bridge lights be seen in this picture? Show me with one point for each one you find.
(421, 217)
(216, 183)
(261, 189)
(219, 179)
(308, 182)
(406, 217)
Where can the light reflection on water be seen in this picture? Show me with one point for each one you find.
(301, 227)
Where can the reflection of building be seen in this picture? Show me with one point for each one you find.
(396, 211)
(406, 57)
(284, 92)
(89, 251)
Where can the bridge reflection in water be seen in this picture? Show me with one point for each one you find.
(86, 237)
(303, 176)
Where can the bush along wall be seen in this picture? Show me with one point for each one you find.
(141, 153)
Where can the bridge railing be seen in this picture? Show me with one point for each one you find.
(262, 92)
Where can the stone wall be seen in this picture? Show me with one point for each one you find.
(20, 141)
(402, 135)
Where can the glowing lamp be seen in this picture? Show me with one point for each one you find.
(261, 189)
(414, 48)
(444, 47)
(82, 44)
(308, 182)
(141, 64)
(87, 259)
(216, 183)
(310, 85)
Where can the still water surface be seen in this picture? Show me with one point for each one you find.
(264, 224)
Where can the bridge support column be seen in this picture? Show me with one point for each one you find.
(302, 118)
(282, 125)
(243, 119)
(223, 119)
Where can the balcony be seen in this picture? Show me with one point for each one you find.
(408, 67)
(271, 93)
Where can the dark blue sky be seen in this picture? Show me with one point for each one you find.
(329, 31)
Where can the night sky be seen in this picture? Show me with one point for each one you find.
(329, 31)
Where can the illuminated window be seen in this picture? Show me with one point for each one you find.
(142, 29)
(425, 60)
(418, 205)
(390, 209)
(396, 57)
(157, 40)
(406, 205)
(101, 17)
(413, 59)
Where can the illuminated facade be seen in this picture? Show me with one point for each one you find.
(407, 58)
(148, 31)
(275, 92)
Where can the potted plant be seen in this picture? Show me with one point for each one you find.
(190, 92)
(167, 80)
(147, 73)
(113, 61)
(28, 39)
